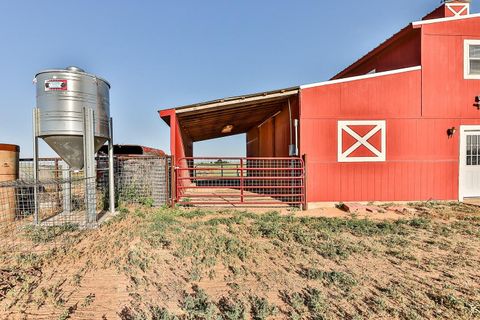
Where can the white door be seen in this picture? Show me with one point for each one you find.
(469, 180)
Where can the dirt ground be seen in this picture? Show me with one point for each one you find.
(414, 261)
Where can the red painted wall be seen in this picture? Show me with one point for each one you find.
(273, 136)
(445, 92)
(418, 106)
(252, 143)
(421, 161)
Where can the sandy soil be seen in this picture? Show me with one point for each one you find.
(200, 264)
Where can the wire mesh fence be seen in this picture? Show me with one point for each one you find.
(138, 180)
(62, 194)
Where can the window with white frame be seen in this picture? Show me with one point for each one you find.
(472, 59)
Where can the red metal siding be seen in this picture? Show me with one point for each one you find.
(422, 164)
(393, 96)
(417, 150)
(252, 143)
(445, 93)
(282, 132)
(421, 161)
(266, 139)
(273, 136)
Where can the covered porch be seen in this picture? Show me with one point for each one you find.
(267, 118)
(271, 174)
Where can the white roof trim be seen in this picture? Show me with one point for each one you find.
(365, 76)
(419, 23)
(236, 100)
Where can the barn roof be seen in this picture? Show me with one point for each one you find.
(408, 30)
(206, 120)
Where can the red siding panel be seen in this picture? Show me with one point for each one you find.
(422, 162)
(445, 92)
(393, 96)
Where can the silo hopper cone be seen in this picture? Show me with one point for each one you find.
(70, 148)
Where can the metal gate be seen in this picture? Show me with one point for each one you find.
(269, 182)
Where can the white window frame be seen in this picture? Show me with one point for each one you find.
(379, 125)
(466, 59)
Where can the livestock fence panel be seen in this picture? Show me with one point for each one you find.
(269, 182)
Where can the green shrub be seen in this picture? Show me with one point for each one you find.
(341, 279)
(261, 309)
(230, 309)
(197, 305)
(40, 234)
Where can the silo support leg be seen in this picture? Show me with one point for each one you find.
(111, 176)
(90, 174)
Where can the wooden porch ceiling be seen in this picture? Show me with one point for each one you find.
(206, 121)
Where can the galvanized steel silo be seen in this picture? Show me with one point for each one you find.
(62, 95)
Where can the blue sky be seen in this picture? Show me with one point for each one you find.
(161, 54)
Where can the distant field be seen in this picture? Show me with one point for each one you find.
(151, 263)
(218, 170)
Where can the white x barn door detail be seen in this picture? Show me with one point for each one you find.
(459, 9)
(378, 152)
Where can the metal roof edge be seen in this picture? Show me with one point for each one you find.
(422, 22)
(235, 99)
(365, 76)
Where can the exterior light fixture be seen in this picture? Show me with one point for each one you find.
(227, 129)
(451, 131)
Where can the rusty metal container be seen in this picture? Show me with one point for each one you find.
(9, 157)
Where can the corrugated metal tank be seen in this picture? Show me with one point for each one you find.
(9, 155)
(61, 96)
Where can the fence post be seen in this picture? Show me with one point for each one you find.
(35, 165)
(173, 180)
(67, 188)
(305, 203)
(166, 181)
(241, 180)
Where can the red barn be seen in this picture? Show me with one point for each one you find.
(400, 124)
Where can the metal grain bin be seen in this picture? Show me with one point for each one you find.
(62, 96)
(9, 157)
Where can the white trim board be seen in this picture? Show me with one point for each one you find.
(470, 16)
(365, 76)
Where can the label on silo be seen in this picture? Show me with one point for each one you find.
(56, 85)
